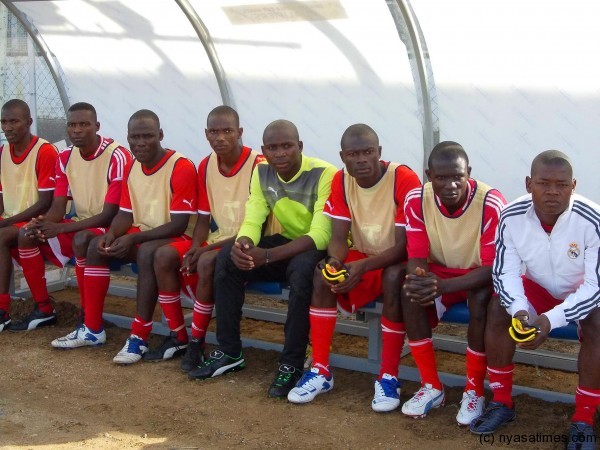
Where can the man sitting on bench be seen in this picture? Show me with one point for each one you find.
(294, 188)
(90, 174)
(27, 182)
(366, 201)
(555, 234)
(159, 195)
(451, 221)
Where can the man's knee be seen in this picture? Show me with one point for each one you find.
(206, 265)
(496, 315)
(145, 255)
(302, 267)
(81, 241)
(590, 326)
(92, 250)
(392, 278)
(166, 258)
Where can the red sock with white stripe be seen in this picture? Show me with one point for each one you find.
(5, 302)
(587, 401)
(392, 341)
(424, 357)
(201, 318)
(97, 280)
(170, 302)
(476, 368)
(141, 328)
(501, 381)
(322, 326)
(79, 274)
(34, 271)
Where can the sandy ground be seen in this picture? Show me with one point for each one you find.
(79, 399)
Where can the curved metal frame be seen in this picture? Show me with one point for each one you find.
(401, 11)
(211, 52)
(44, 50)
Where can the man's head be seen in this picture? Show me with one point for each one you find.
(551, 185)
(282, 148)
(144, 135)
(223, 130)
(82, 126)
(449, 171)
(16, 121)
(361, 153)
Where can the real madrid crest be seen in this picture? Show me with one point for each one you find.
(573, 251)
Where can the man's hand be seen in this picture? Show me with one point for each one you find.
(190, 260)
(422, 287)
(543, 325)
(240, 254)
(356, 269)
(118, 248)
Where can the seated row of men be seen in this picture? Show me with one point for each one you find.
(283, 216)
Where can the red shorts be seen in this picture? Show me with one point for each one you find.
(539, 298)
(57, 250)
(447, 300)
(369, 288)
(188, 282)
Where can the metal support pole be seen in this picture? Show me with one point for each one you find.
(211, 52)
(44, 51)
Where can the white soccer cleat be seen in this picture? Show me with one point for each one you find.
(132, 351)
(80, 337)
(387, 394)
(424, 399)
(309, 386)
(471, 407)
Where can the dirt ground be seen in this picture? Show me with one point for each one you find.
(53, 399)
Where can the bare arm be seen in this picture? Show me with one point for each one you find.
(39, 207)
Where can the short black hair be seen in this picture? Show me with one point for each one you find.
(226, 111)
(282, 123)
(144, 114)
(16, 103)
(551, 158)
(83, 106)
(358, 130)
(447, 150)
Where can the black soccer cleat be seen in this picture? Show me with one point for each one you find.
(285, 380)
(35, 319)
(217, 364)
(170, 348)
(194, 355)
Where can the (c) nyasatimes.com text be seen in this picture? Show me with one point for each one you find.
(533, 438)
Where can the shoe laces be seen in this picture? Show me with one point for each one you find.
(284, 376)
(472, 401)
(387, 388)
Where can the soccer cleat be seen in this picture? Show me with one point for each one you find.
(309, 386)
(581, 436)
(4, 320)
(194, 355)
(286, 379)
(471, 407)
(217, 364)
(80, 337)
(423, 401)
(132, 351)
(387, 394)
(35, 319)
(495, 415)
(170, 348)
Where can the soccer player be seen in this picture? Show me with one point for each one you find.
(451, 223)
(26, 186)
(158, 197)
(90, 173)
(223, 187)
(293, 187)
(373, 263)
(555, 234)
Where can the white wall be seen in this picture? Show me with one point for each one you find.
(514, 78)
(324, 75)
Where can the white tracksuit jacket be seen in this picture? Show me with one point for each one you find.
(565, 263)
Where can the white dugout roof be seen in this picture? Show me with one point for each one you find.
(505, 78)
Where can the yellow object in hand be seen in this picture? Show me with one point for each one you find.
(521, 333)
(332, 275)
